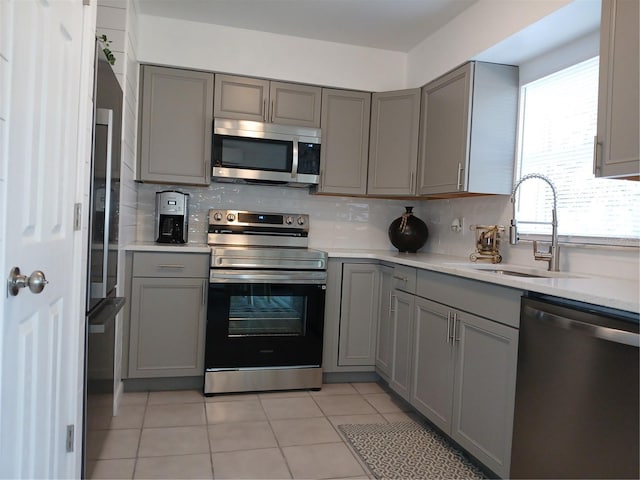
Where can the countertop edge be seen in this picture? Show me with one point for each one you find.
(167, 247)
(610, 292)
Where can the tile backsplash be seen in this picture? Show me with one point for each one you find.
(337, 222)
(350, 222)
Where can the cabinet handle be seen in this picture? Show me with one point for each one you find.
(271, 111)
(456, 328)
(412, 186)
(597, 148)
(390, 303)
(402, 279)
(170, 266)
(391, 309)
(264, 109)
(204, 293)
(449, 336)
(459, 181)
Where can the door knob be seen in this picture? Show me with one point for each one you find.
(36, 281)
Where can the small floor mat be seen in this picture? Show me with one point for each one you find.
(408, 450)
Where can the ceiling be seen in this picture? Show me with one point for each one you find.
(397, 25)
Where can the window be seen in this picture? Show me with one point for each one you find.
(557, 128)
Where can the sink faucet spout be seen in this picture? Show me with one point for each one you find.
(553, 254)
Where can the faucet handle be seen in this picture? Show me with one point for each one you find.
(541, 255)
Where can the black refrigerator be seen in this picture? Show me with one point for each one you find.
(102, 305)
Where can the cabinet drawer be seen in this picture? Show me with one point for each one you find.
(498, 303)
(404, 278)
(162, 264)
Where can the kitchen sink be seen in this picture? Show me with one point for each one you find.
(513, 270)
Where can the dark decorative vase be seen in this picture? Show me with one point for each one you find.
(408, 233)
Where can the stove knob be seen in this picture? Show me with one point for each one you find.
(231, 217)
(217, 216)
(300, 221)
(288, 220)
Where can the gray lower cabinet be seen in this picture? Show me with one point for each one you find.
(350, 316)
(175, 126)
(358, 314)
(618, 150)
(261, 100)
(393, 143)
(468, 131)
(168, 314)
(402, 334)
(384, 347)
(345, 141)
(464, 369)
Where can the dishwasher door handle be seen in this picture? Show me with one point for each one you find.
(604, 333)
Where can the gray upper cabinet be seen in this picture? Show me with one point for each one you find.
(175, 125)
(393, 149)
(345, 142)
(246, 98)
(468, 131)
(618, 149)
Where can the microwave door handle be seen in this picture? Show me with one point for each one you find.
(294, 167)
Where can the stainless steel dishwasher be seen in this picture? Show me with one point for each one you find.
(576, 409)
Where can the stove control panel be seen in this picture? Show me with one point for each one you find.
(252, 220)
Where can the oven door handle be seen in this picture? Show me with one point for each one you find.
(261, 276)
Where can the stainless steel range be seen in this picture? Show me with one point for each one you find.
(266, 303)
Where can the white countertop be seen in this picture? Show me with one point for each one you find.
(609, 292)
(606, 291)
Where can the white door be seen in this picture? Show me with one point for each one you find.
(41, 336)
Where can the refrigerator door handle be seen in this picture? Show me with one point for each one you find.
(104, 117)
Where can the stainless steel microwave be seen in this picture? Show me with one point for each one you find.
(258, 152)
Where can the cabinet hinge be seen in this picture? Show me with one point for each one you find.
(70, 438)
(77, 216)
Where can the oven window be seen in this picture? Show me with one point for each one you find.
(262, 310)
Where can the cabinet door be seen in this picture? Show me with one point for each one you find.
(402, 315)
(293, 104)
(393, 151)
(433, 362)
(618, 150)
(241, 98)
(484, 390)
(167, 327)
(444, 136)
(359, 314)
(384, 348)
(176, 115)
(345, 142)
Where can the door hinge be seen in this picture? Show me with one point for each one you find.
(77, 216)
(70, 438)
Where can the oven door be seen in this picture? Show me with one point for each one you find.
(264, 319)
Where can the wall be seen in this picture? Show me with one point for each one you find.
(233, 50)
(478, 28)
(338, 222)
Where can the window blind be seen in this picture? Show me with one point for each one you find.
(557, 128)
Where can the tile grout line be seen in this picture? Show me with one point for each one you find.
(286, 462)
(206, 421)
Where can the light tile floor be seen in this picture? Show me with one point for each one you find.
(292, 434)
